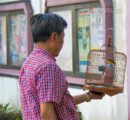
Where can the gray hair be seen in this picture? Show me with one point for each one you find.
(43, 25)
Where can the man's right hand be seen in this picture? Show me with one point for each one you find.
(95, 95)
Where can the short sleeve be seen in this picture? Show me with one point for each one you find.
(51, 84)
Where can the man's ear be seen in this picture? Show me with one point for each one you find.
(53, 40)
(54, 36)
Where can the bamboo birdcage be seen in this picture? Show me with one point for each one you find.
(106, 71)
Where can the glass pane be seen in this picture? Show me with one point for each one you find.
(96, 28)
(90, 33)
(3, 55)
(18, 39)
(64, 60)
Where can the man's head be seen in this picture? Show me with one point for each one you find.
(48, 29)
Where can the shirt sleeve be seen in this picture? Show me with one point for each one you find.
(51, 85)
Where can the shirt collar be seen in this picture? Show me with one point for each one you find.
(45, 53)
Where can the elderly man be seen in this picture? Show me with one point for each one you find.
(43, 87)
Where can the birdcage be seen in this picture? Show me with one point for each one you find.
(106, 71)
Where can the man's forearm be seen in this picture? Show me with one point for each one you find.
(45, 117)
(47, 111)
(80, 98)
(48, 116)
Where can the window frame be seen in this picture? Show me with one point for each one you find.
(24, 6)
(52, 3)
(107, 23)
(13, 1)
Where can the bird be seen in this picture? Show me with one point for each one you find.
(111, 61)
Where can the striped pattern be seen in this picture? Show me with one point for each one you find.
(40, 81)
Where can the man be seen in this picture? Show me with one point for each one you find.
(43, 87)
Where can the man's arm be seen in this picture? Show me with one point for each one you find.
(87, 97)
(47, 111)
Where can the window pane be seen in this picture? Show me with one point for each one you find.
(18, 39)
(3, 51)
(64, 60)
(90, 33)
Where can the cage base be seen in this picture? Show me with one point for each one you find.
(109, 90)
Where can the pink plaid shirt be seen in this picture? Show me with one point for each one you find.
(40, 81)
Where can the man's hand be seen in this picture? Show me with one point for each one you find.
(87, 97)
(95, 95)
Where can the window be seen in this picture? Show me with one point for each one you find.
(84, 32)
(3, 40)
(15, 38)
(90, 33)
(66, 53)
(14, 41)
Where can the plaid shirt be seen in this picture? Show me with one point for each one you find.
(41, 81)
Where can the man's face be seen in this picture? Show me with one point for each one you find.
(58, 44)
